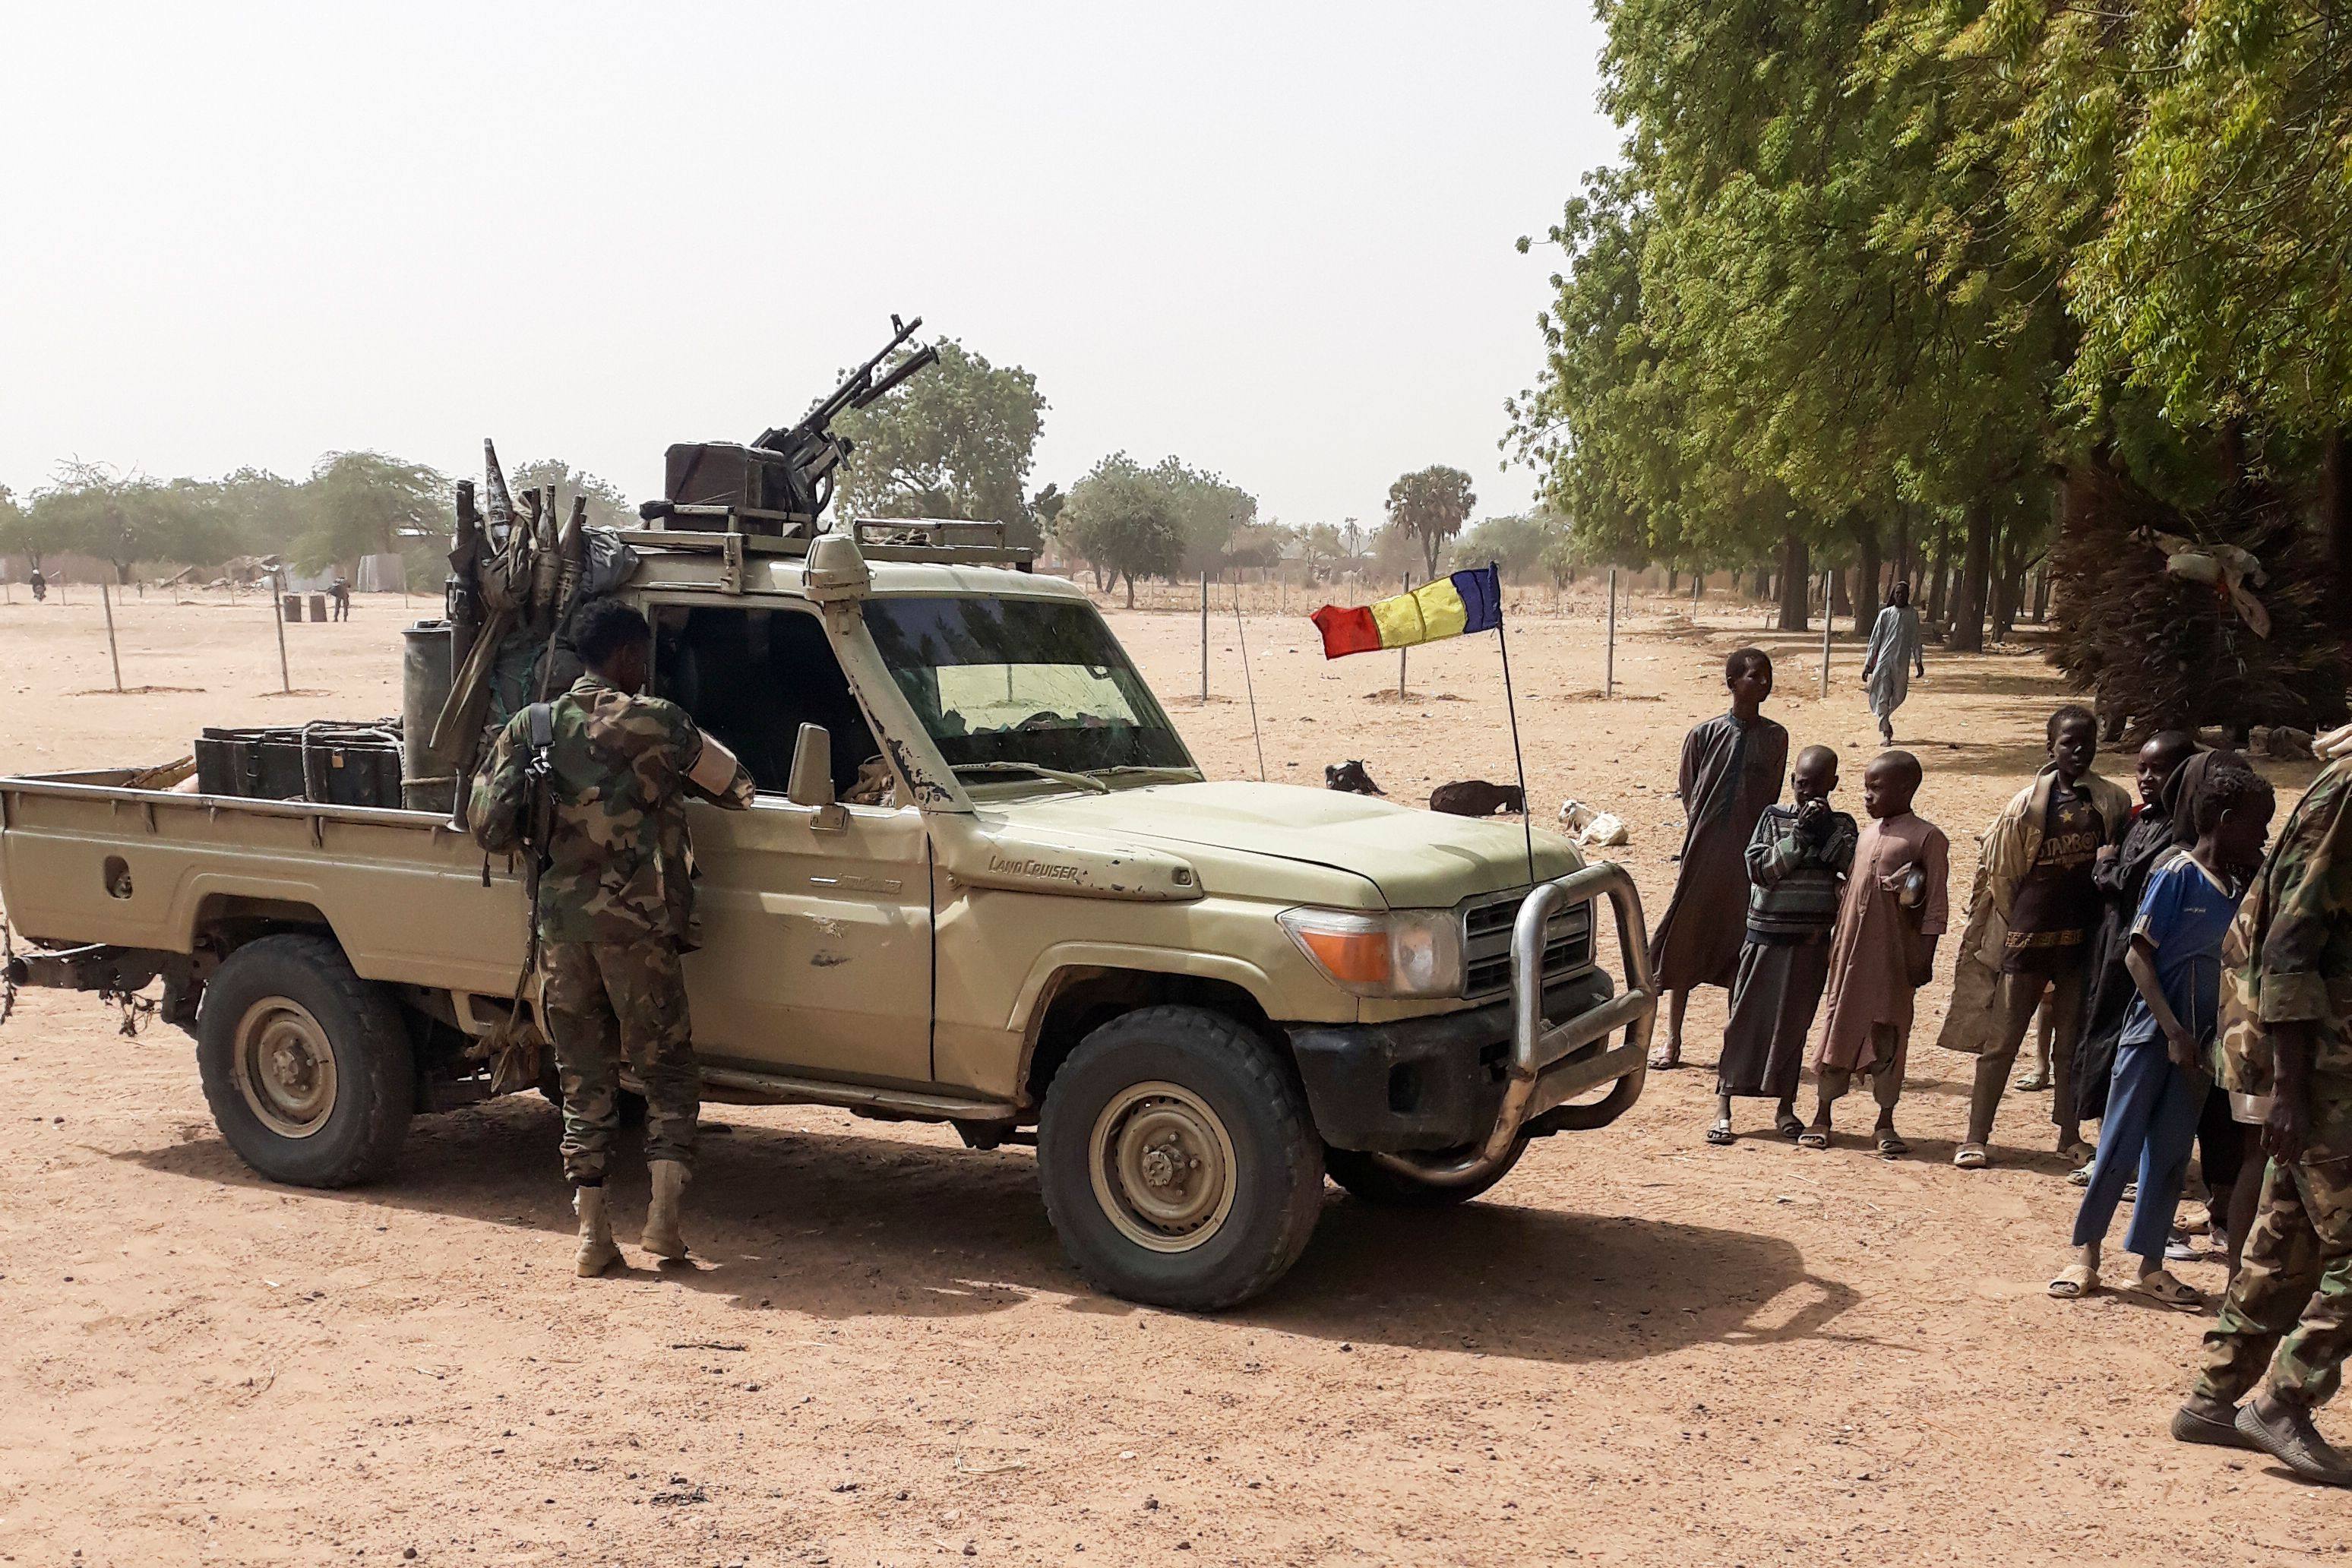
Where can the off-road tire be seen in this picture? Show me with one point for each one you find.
(1275, 1180)
(374, 1084)
(1366, 1178)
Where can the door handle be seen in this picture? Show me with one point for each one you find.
(857, 884)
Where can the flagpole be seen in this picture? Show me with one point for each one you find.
(1511, 707)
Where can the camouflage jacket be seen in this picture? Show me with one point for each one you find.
(2288, 958)
(619, 867)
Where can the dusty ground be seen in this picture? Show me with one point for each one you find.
(1639, 1350)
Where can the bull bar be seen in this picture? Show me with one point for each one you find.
(1551, 1064)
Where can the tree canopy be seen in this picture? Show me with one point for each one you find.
(953, 441)
(1429, 507)
(608, 504)
(1123, 522)
(1872, 270)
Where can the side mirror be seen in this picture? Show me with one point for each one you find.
(812, 781)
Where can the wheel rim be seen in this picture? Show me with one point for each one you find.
(284, 1067)
(1163, 1166)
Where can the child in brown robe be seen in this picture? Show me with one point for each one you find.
(1882, 950)
(1730, 772)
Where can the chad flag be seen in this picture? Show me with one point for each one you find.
(1443, 608)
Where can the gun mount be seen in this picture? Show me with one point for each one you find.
(780, 483)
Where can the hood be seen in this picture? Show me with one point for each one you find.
(1418, 859)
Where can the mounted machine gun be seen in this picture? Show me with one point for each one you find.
(782, 482)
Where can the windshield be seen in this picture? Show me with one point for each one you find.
(1038, 681)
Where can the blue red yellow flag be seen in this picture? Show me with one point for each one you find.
(1449, 606)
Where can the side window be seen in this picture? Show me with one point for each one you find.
(752, 677)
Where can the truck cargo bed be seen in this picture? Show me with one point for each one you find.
(84, 858)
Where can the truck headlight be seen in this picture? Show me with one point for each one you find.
(1407, 952)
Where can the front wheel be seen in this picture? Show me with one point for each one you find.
(306, 1066)
(1179, 1165)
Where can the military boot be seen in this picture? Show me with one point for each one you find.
(661, 1236)
(597, 1252)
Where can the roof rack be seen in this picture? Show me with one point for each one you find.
(955, 541)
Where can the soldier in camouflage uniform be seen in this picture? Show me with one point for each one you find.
(615, 908)
(2286, 1033)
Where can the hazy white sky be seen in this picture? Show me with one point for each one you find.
(1275, 240)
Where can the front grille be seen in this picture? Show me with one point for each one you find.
(1486, 943)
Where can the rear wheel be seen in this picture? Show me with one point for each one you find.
(1178, 1161)
(307, 1067)
(1372, 1179)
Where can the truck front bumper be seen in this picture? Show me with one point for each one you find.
(1469, 1087)
(1434, 1084)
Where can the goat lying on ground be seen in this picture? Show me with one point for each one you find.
(1477, 797)
(1351, 777)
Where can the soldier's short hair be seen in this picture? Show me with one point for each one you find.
(606, 627)
(1742, 658)
(2232, 785)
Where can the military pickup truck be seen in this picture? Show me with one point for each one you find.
(1196, 997)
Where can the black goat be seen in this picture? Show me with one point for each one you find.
(1351, 777)
(1477, 797)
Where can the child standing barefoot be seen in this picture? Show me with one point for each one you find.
(1882, 950)
(1731, 772)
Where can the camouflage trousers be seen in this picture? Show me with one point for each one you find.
(2293, 1292)
(608, 1003)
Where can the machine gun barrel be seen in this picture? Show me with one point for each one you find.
(856, 389)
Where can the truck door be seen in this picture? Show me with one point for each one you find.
(816, 941)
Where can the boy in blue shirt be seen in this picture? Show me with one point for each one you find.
(2160, 1085)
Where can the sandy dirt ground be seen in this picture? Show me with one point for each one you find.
(1637, 1349)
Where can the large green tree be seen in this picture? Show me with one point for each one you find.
(953, 441)
(1901, 270)
(364, 503)
(1122, 521)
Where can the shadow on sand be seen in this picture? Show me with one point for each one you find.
(844, 1226)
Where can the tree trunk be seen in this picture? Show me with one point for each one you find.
(1674, 576)
(1967, 632)
(2042, 596)
(1841, 591)
(1902, 542)
(1939, 572)
(1761, 586)
(1866, 591)
(1795, 577)
(1130, 590)
(2336, 517)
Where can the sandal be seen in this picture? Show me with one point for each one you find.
(2074, 1281)
(2033, 1080)
(2080, 1177)
(2079, 1153)
(2166, 1291)
(1662, 1062)
(1971, 1157)
(1788, 1127)
(1720, 1133)
(1813, 1138)
(1890, 1143)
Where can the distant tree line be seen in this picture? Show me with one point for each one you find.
(351, 504)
